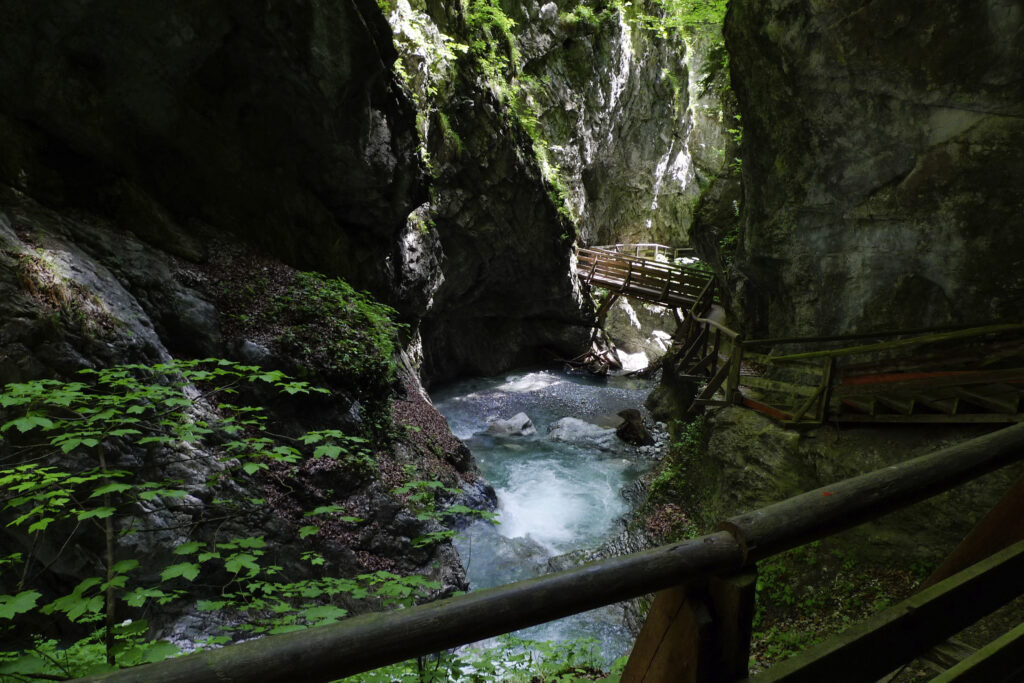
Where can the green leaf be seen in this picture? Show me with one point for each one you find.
(112, 487)
(188, 548)
(97, 513)
(240, 561)
(186, 570)
(27, 423)
(40, 525)
(330, 450)
(253, 467)
(17, 604)
(138, 597)
(308, 531)
(210, 605)
(124, 566)
(324, 613)
(324, 510)
(158, 651)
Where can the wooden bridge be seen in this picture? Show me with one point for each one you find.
(647, 272)
(925, 376)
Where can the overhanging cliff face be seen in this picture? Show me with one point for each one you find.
(286, 125)
(882, 164)
(281, 124)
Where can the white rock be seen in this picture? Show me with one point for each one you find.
(519, 424)
(575, 431)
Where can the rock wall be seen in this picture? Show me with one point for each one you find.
(881, 163)
(289, 128)
(631, 121)
(77, 292)
(749, 461)
(281, 124)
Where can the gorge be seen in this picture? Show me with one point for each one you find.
(381, 199)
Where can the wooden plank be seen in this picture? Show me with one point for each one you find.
(880, 643)
(865, 406)
(903, 405)
(806, 405)
(1001, 661)
(768, 410)
(925, 381)
(369, 641)
(996, 402)
(732, 383)
(844, 504)
(947, 405)
(674, 645)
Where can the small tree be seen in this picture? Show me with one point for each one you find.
(64, 447)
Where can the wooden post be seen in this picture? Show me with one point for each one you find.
(732, 602)
(826, 383)
(732, 386)
(696, 634)
(674, 645)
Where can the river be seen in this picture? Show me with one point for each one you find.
(554, 496)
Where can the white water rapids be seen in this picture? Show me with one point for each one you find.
(553, 497)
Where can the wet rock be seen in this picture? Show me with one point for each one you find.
(881, 161)
(517, 425)
(633, 430)
(575, 431)
(239, 131)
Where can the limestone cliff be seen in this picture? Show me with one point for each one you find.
(881, 163)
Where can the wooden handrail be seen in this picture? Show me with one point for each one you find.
(836, 507)
(361, 643)
(897, 343)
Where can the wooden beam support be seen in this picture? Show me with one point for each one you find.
(675, 643)
(732, 603)
(1003, 525)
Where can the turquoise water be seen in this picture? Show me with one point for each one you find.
(553, 497)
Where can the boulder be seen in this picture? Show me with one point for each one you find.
(633, 430)
(517, 425)
(575, 431)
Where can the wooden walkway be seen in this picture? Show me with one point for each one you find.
(973, 375)
(642, 271)
(966, 375)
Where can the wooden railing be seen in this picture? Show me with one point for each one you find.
(699, 627)
(649, 250)
(641, 277)
(887, 379)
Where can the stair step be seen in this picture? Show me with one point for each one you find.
(900, 404)
(863, 405)
(941, 403)
(996, 402)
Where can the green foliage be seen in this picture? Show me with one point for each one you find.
(667, 16)
(60, 487)
(334, 327)
(513, 660)
(492, 42)
(422, 498)
(671, 482)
